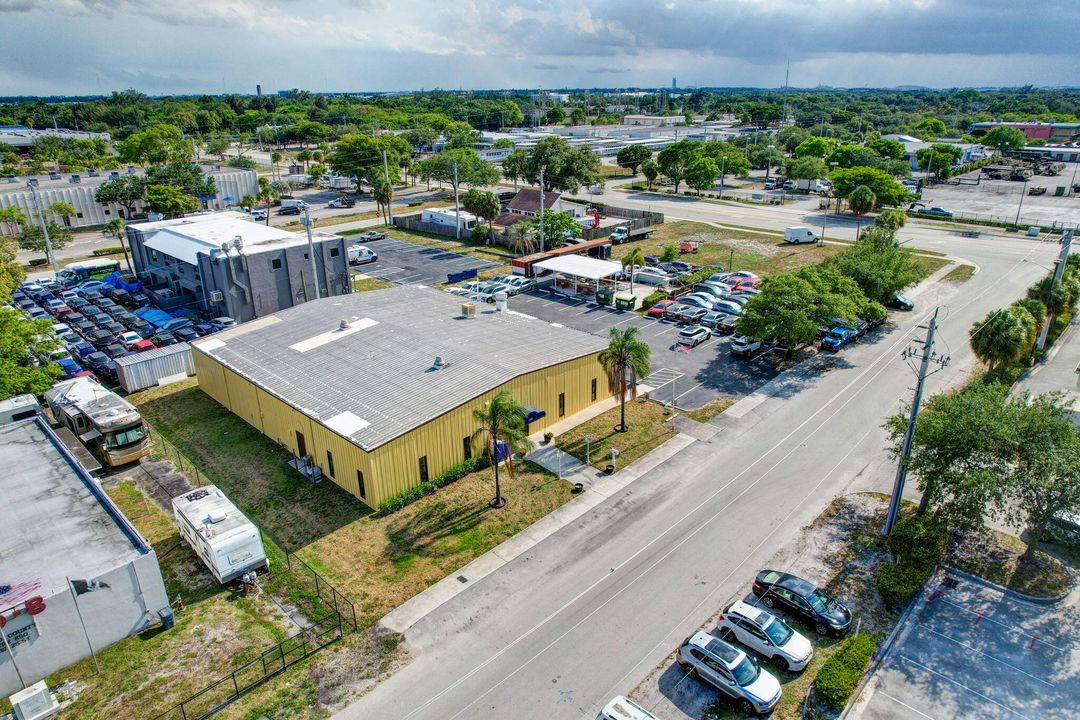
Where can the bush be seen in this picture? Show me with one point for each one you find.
(652, 299)
(479, 234)
(107, 251)
(840, 674)
(918, 543)
(451, 474)
(35, 262)
(242, 162)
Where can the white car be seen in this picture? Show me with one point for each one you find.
(623, 708)
(729, 670)
(258, 214)
(744, 346)
(767, 635)
(129, 338)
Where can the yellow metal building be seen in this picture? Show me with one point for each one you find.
(378, 388)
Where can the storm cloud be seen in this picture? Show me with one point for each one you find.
(156, 46)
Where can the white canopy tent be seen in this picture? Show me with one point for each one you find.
(578, 274)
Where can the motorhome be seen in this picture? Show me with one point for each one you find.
(108, 425)
(224, 539)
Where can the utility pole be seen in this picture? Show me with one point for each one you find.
(927, 356)
(386, 175)
(1059, 271)
(32, 185)
(311, 251)
(457, 208)
(541, 208)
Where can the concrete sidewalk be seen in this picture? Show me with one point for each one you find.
(1061, 371)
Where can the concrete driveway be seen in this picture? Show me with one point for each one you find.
(969, 651)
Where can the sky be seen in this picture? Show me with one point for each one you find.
(212, 46)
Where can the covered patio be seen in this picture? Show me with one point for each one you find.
(578, 275)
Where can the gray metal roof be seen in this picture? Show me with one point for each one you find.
(139, 358)
(375, 380)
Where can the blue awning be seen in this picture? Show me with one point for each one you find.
(533, 414)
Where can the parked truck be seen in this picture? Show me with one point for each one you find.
(799, 234)
(819, 185)
(624, 234)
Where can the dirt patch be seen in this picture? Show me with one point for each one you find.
(995, 556)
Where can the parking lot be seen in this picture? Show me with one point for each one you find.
(407, 263)
(968, 651)
(692, 378)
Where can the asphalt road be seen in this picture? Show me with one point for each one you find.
(592, 609)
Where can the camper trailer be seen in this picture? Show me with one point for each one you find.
(226, 541)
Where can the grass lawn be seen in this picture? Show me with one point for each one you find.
(760, 253)
(363, 284)
(367, 215)
(711, 409)
(995, 556)
(960, 272)
(217, 629)
(645, 420)
(927, 266)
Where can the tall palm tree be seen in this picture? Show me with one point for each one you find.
(523, 237)
(502, 428)
(266, 194)
(626, 360)
(275, 158)
(115, 229)
(634, 258)
(997, 338)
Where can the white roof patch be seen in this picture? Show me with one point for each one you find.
(328, 337)
(346, 423)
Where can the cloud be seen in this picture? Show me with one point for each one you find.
(546, 66)
(608, 71)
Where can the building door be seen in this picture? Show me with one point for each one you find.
(301, 446)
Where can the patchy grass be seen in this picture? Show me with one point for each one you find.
(218, 628)
(711, 409)
(366, 215)
(960, 272)
(465, 247)
(645, 420)
(362, 283)
(927, 266)
(996, 556)
(757, 252)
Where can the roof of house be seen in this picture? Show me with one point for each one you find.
(57, 522)
(528, 201)
(375, 378)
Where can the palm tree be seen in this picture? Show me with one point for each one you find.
(625, 360)
(634, 258)
(524, 237)
(275, 158)
(502, 430)
(998, 338)
(115, 229)
(266, 194)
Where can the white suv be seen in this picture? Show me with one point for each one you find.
(766, 634)
(744, 346)
(729, 670)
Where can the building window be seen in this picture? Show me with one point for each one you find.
(78, 215)
(305, 256)
(107, 212)
(423, 469)
(360, 483)
(593, 391)
(562, 404)
(467, 444)
(330, 463)
(335, 252)
(275, 264)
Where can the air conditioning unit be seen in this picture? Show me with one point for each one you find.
(468, 309)
(216, 296)
(34, 703)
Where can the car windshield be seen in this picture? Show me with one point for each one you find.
(778, 631)
(125, 437)
(819, 601)
(747, 671)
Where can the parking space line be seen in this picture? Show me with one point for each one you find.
(916, 663)
(975, 649)
(1010, 628)
(624, 321)
(688, 391)
(901, 702)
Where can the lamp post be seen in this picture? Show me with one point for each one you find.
(32, 186)
(588, 446)
(1016, 223)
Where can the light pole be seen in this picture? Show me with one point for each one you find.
(32, 185)
(588, 447)
(1023, 192)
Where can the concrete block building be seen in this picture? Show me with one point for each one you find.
(377, 389)
(75, 575)
(225, 264)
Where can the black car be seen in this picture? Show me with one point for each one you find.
(120, 295)
(116, 328)
(105, 303)
(101, 319)
(102, 366)
(162, 338)
(142, 327)
(116, 350)
(116, 312)
(652, 261)
(78, 303)
(804, 600)
(680, 266)
(83, 327)
(899, 302)
(100, 338)
(186, 334)
(291, 210)
(139, 300)
(91, 295)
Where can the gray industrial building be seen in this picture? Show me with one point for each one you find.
(75, 575)
(226, 264)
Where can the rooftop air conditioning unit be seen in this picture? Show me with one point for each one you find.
(34, 702)
(216, 296)
(468, 309)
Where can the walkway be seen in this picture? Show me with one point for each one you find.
(1061, 371)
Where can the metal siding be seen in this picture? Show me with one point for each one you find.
(146, 369)
(245, 402)
(211, 375)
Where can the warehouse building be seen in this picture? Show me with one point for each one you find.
(225, 264)
(376, 390)
(75, 575)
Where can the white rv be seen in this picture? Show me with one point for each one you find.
(228, 543)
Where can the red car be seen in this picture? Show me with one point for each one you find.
(726, 324)
(657, 310)
(754, 284)
(141, 346)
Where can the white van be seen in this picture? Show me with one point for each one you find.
(358, 254)
(652, 277)
(623, 708)
(292, 202)
(799, 234)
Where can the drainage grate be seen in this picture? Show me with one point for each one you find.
(949, 582)
(462, 579)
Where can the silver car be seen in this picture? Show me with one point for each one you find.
(766, 634)
(731, 671)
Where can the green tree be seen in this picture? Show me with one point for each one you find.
(625, 360)
(421, 137)
(515, 165)
(158, 144)
(761, 114)
(632, 156)
(861, 200)
(676, 158)
(11, 270)
(21, 342)
(503, 144)
(889, 149)
(809, 168)
(848, 156)
(267, 194)
(791, 137)
(558, 228)
(555, 116)
(183, 175)
(998, 338)
(940, 158)
(309, 131)
(471, 168)
(783, 312)
(124, 191)
(817, 147)
(317, 171)
(501, 434)
(169, 201)
(565, 168)
(668, 253)
(115, 229)
(483, 204)
(523, 237)
(218, 147)
(11, 219)
(633, 259)
(930, 128)
(383, 193)
(729, 159)
(891, 219)
(362, 156)
(460, 135)
(651, 170)
(701, 173)
(883, 185)
(1004, 138)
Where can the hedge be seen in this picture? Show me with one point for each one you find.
(452, 474)
(652, 299)
(918, 543)
(108, 251)
(840, 674)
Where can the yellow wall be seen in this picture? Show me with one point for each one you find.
(395, 466)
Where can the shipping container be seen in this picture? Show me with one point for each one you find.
(161, 366)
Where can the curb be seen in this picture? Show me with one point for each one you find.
(1032, 599)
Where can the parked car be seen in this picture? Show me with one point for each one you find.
(139, 300)
(100, 319)
(259, 214)
(290, 210)
(681, 267)
(657, 310)
(804, 600)
(185, 334)
(100, 338)
(744, 274)
(175, 324)
(743, 346)
(83, 327)
(115, 350)
(652, 261)
(83, 350)
(770, 183)
(701, 301)
(341, 202)
(837, 338)
(162, 339)
(726, 324)
(738, 298)
(120, 295)
(100, 364)
(142, 346)
(105, 302)
(899, 302)
(129, 338)
(939, 211)
(690, 315)
(693, 336)
(671, 312)
(116, 328)
(729, 670)
(727, 306)
(623, 708)
(372, 236)
(142, 327)
(69, 367)
(710, 318)
(223, 322)
(716, 289)
(766, 634)
(57, 307)
(360, 255)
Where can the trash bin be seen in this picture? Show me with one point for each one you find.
(167, 619)
(1034, 231)
(604, 297)
(625, 301)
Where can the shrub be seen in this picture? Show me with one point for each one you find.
(918, 543)
(451, 474)
(840, 674)
(479, 234)
(35, 262)
(898, 584)
(107, 251)
(242, 162)
(652, 299)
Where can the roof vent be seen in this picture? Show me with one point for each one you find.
(439, 363)
(468, 309)
(343, 325)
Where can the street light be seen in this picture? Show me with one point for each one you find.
(588, 441)
(32, 186)
(1023, 192)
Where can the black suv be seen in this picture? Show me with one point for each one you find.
(804, 600)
